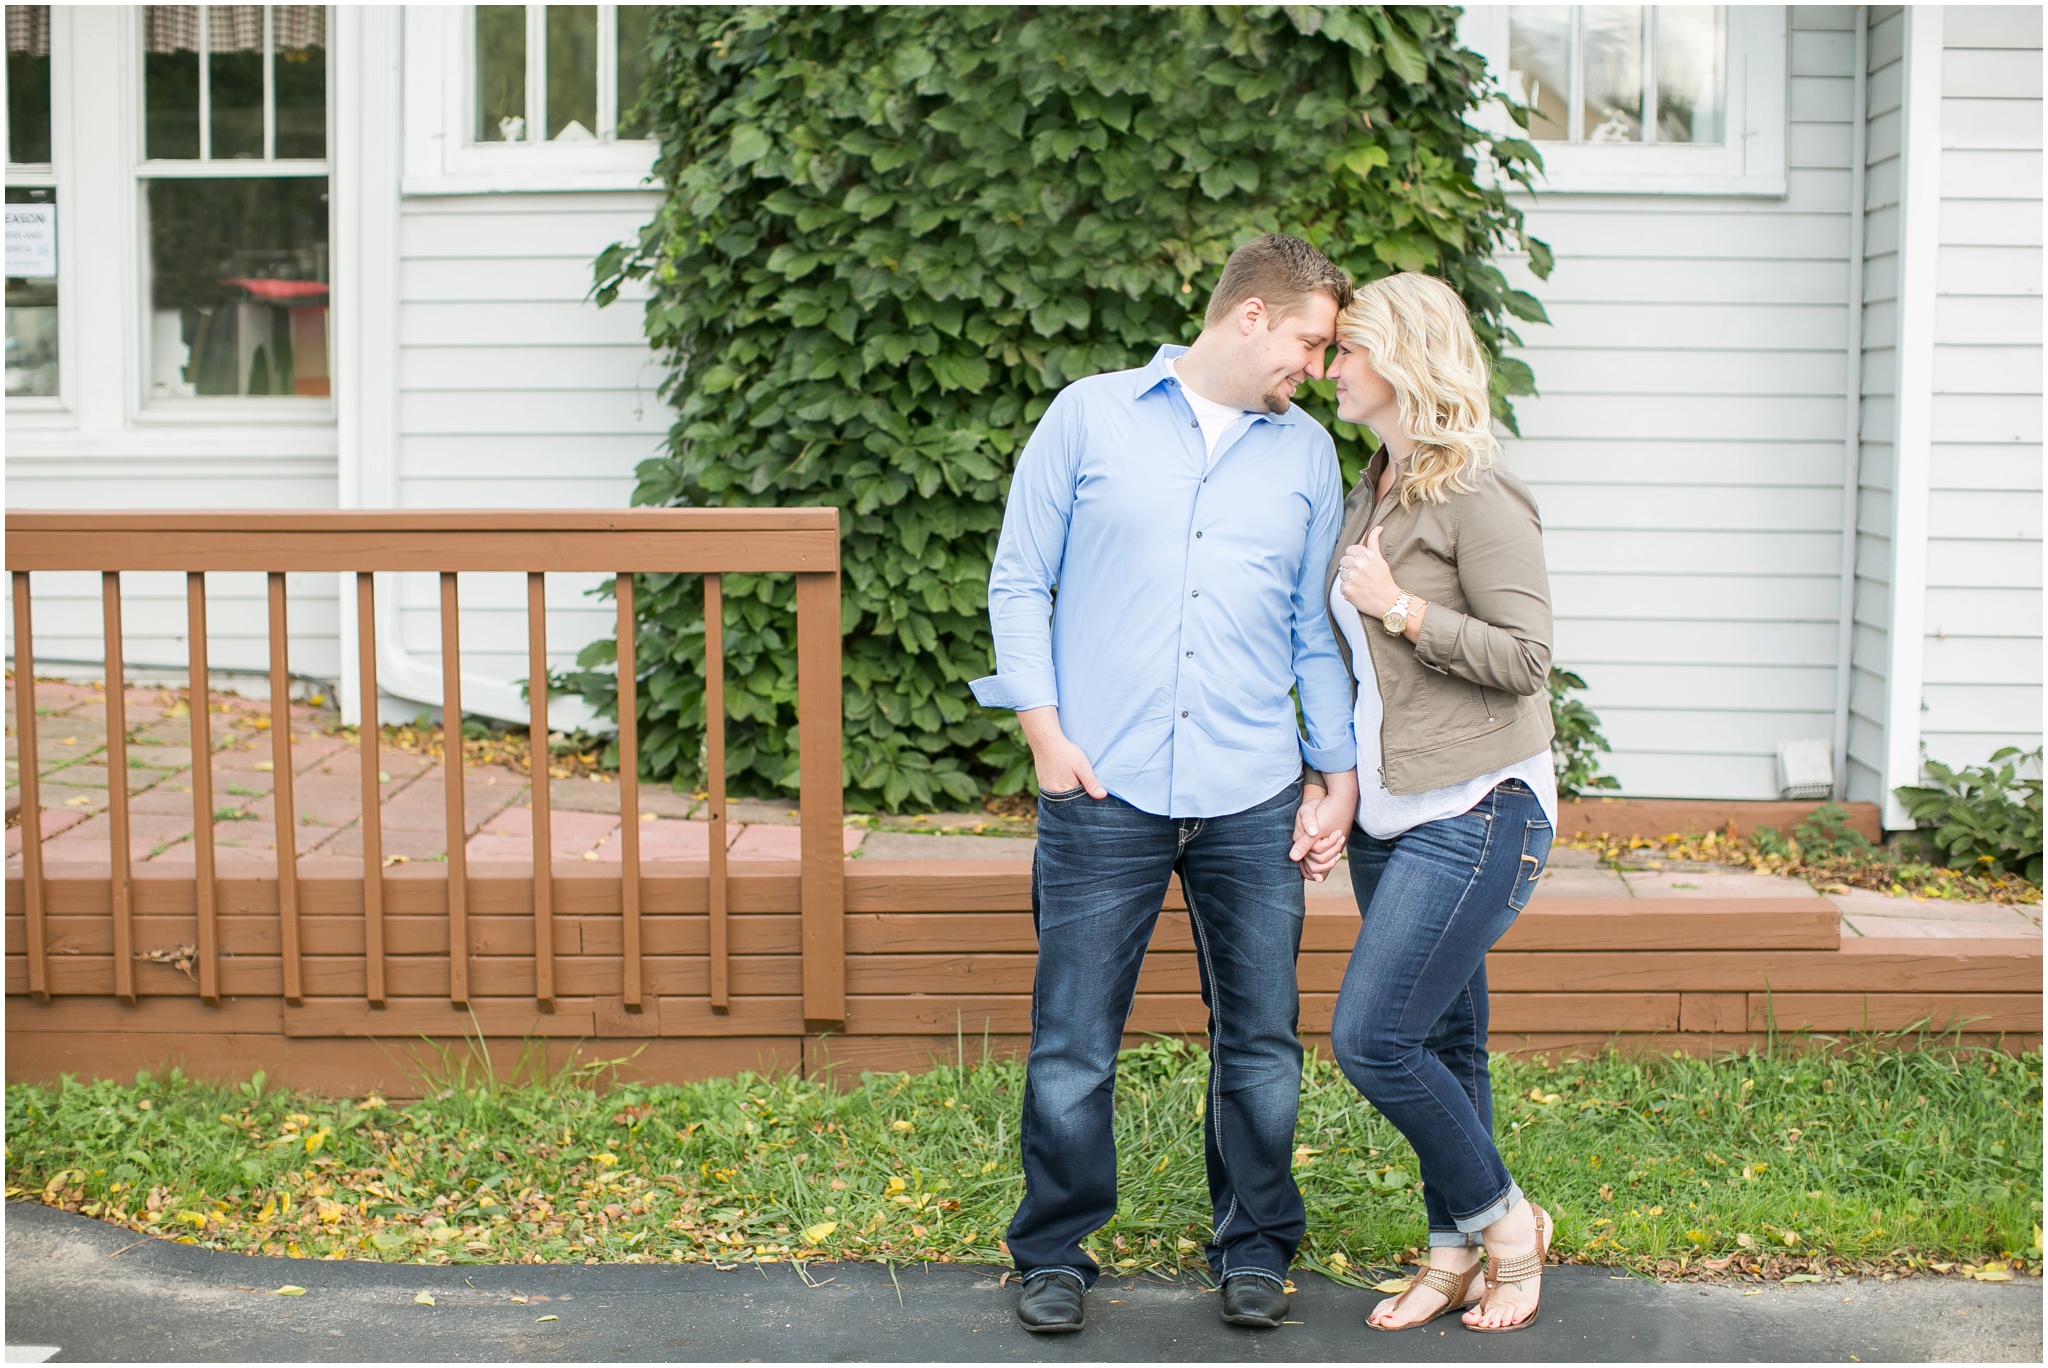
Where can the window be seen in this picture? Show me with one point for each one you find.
(1619, 73)
(235, 196)
(31, 215)
(559, 73)
(1644, 99)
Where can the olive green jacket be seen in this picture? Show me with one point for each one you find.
(1469, 696)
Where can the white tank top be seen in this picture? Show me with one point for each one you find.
(1386, 815)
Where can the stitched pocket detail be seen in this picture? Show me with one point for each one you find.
(1535, 854)
(1063, 795)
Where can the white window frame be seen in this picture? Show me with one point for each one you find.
(442, 156)
(1750, 161)
(44, 176)
(269, 410)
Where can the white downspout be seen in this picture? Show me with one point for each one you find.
(1852, 431)
(1919, 260)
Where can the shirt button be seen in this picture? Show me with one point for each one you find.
(1198, 536)
(1183, 712)
(1196, 594)
(1191, 656)
(1194, 422)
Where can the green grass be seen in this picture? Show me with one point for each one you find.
(1865, 1156)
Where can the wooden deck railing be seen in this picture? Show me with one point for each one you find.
(712, 542)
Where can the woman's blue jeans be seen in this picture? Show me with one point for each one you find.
(1410, 1024)
(1096, 887)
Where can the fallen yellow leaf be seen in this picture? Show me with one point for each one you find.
(423, 1299)
(538, 1319)
(82, 800)
(1393, 1285)
(820, 1231)
(289, 1290)
(265, 766)
(1993, 1275)
(1754, 1292)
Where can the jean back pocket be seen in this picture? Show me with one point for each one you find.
(1536, 837)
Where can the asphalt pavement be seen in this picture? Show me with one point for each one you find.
(92, 1292)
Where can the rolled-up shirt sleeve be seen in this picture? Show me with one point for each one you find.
(1321, 680)
(1027, 564)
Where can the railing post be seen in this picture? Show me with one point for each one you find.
(819, 765)
(31, 797)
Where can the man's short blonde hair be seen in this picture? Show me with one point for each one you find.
(1282, 272)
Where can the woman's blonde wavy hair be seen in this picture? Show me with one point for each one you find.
(1420, 339)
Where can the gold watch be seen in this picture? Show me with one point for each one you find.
(1396, 619)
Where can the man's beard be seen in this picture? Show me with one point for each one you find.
(1274, 401)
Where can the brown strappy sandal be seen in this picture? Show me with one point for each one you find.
(1514, 1270)
(1455, 1288)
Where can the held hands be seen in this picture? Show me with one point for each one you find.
(1322, 824)
(1366, 579)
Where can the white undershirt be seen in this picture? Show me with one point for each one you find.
(1386, 815)
(1216, 419)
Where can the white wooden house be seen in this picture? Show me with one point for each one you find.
(1788, 444)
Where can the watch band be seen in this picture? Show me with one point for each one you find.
(1396, 619)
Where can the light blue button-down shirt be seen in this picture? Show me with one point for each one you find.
(1190, 594)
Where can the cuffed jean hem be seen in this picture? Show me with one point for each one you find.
(1274, 1278)
(1453, 1239)
(1056, 1270)
(1498, 1209)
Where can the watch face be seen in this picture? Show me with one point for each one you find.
(1394, 621)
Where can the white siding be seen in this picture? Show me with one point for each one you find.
(1881, 208)
(1687, 449)
(1983, 657)
(516, 391)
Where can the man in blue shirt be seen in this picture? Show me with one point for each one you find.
(1184, 512)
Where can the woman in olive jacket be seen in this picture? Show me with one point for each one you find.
(1441, 603)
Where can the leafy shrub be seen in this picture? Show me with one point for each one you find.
(1825, 833)
(1982, 814)
(1576, 747)
(891, 235)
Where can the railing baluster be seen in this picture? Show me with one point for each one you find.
(372, 823)
(121, 862)
(629, 794)
(457, 806)
(819, 750)
(31, 794)
(284, 809)
(543, 839)
(202, 789)
(714, 783)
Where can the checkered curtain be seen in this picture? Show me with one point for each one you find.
(28, 30)
(231, 28)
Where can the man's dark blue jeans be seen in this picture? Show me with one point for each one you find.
(1409, 1029)
(1096, 886)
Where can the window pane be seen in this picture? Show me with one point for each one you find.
(1613, 36)
(501, 73)
(572, 72)
(300, 33)
(238, 286)
(28, 90)
(1539, 66)
(636, 35)
(1689, 84)
(234, 65)
(31, 296)
(170, 74)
